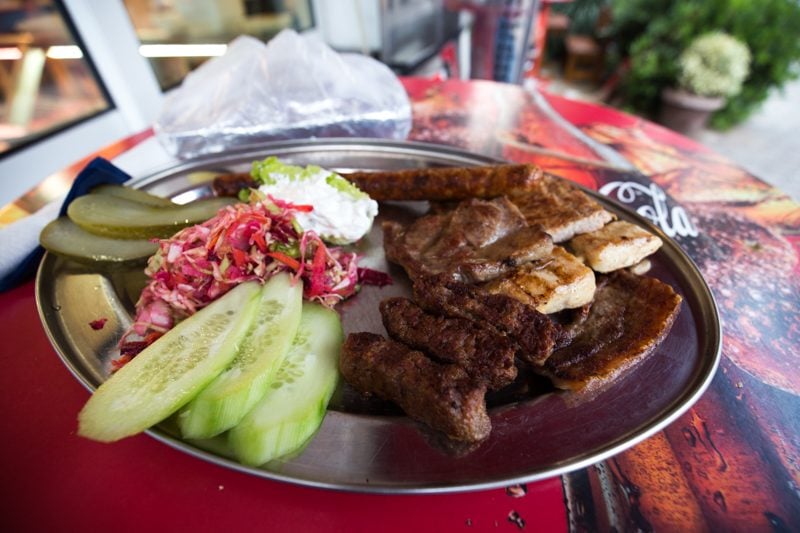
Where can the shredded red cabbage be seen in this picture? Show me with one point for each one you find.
(98, 324)
(243, 242)
(367, 276)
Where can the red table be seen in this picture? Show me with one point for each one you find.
(730, 463)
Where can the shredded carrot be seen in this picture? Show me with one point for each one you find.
(292, 263)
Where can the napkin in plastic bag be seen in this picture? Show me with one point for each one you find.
(294, 87)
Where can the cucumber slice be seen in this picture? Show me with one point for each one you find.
(111, 216)
(65, 238)
(172, 370)
(134, 195)
(226, 400)
(294, 406)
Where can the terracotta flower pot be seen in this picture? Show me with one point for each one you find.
(685, 112)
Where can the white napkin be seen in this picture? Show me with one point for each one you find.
(19, 238)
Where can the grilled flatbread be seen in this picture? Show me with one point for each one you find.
(616, 245)
(558, 282)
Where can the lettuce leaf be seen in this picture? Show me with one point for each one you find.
(264, 171)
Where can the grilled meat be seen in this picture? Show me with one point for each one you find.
(231, 184)
(629, 317)
(559, 282)
(447, 183)
(560, 208)
(642, 267)
(534, 333)
(476, 241)
(571, 321)
(616, 245)
(478, 223)
(518, 248)
(440, 395)
(485, 355)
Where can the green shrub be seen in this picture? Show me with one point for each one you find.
(715, 64)
(653, 33)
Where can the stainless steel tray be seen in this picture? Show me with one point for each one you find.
(369, 446)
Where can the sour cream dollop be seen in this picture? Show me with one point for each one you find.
(342, 213)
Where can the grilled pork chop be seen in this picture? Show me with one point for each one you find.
(629, 317)
(486, 356)
(616, 245)
(443, 396)
(560, 208)
(559, 282)
(476, 241)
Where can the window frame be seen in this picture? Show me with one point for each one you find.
(110, 46)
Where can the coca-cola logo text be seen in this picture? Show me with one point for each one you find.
(674, 221)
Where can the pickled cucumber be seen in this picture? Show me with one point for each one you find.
(116, 217)
(294, 405)
(63, 237)
(172, 370)
(226, 400)
(134, 195)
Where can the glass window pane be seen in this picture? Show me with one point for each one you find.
(46, 82)
(179, 35)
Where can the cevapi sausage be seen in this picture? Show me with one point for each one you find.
(440, 395)
(456, 183)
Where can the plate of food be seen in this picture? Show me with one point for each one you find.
(473, 324)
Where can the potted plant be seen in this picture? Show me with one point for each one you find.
(710, 70)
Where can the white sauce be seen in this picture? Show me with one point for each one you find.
(337, 216)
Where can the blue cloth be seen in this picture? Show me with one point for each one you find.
(98, 172)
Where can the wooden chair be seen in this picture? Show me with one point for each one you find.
(584, 58)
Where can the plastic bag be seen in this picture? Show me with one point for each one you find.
(294, 87)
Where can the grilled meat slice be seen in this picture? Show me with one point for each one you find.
(440, 395)
(485, 355)
(477, 223)
(534, 333)
(231, 184)
(560, 208)
(406, 247)
(518, 248)
(559, 282)
(446, 183)
(616, 245)
(476, 241)
(629, 317)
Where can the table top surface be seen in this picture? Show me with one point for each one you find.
(731, 462)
